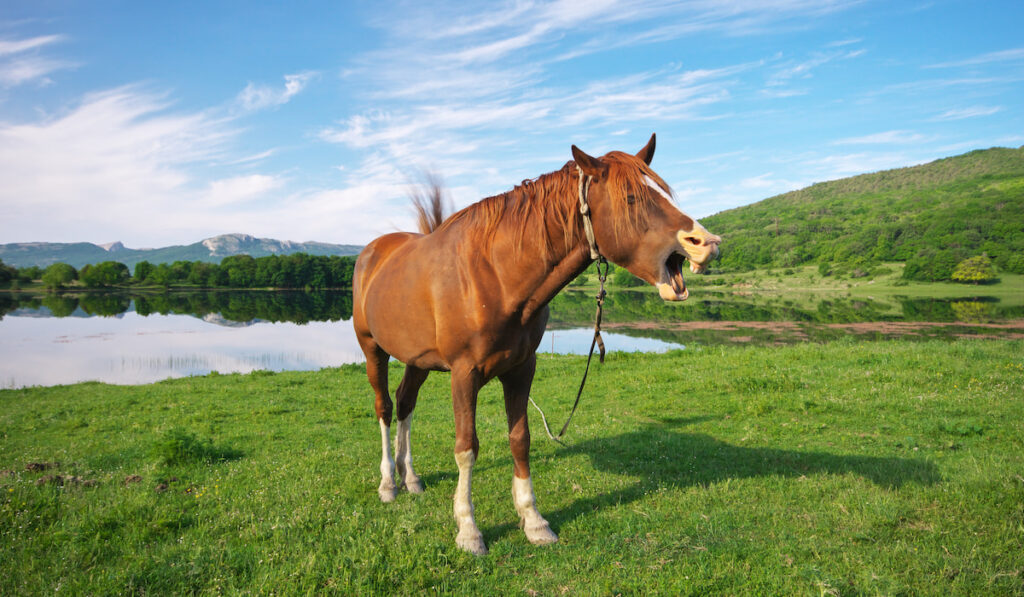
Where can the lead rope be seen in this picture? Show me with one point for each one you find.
(602, 275)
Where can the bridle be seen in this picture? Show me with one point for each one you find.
(583, 188)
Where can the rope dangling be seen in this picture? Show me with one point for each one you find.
(602, 276)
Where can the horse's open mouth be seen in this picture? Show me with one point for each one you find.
(675, 288)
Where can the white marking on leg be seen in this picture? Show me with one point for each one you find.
(403, 456)
(536, 528)
(387, 487)
(469, 538)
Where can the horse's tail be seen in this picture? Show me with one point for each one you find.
(428, 201)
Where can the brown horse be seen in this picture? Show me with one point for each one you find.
(469, 295)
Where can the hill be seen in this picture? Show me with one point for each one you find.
(211, 250)
(930, 216)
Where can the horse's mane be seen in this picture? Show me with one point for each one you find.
(551, 199)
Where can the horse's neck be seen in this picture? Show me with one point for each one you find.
(546, 262)
(553, 277)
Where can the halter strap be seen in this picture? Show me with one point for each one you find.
(602, 276)
(588, 227)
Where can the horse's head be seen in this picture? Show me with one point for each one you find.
(637, 225)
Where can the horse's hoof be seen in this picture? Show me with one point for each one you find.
(414, 486)
(387, 495)
(542, 535)
(473, 543)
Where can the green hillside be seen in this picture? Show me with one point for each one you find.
(931, 217)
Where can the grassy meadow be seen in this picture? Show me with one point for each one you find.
(890, 468)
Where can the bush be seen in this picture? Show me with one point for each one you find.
(975, 270)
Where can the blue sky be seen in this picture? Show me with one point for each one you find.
(165, 123)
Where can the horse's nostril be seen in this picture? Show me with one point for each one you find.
(693, 240)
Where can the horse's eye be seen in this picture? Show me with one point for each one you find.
(630, 199)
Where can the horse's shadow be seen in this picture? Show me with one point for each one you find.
(661, 456)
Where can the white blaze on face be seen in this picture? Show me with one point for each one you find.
(657, 188)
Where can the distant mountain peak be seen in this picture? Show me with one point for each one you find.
(113, 247)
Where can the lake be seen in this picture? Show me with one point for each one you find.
(131, 339)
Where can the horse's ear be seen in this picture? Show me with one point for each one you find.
(590, 166)
(647, 153)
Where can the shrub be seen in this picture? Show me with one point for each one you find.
(975, 270)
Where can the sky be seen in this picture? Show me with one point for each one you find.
(166, 123)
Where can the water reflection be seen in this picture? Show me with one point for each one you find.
(237, 306)
(120, 338)
(132, 348)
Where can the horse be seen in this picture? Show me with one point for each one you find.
(469, 295)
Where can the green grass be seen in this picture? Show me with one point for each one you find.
(889, 468)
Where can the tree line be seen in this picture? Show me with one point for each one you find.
(297, 270)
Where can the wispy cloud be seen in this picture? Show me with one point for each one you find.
(837, 166)
(803, 69)
(1001, 56)
(259, 97)
(240, 189)
(21, 63)
(971, 112)
(17, 46)
(120, 152)
(886, 138)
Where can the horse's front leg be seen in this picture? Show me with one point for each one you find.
(516, 384)
(465, 385)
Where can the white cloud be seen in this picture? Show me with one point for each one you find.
(1001, 56)
(117, 161)
(971, 112)
(886, 138)
(838, 166)
(21, 63)
(259, 97)
(802, 70)
(239, 189)
(17, 46)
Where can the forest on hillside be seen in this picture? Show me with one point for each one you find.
(931, 217)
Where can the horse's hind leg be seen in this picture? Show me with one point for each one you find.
(377, 372)
(516, 384)
(406, 398)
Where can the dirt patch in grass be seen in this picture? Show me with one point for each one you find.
(65, 480)
(798, 331)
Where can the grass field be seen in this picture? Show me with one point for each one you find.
(892, 468)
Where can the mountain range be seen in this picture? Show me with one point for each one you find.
(211, 250)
